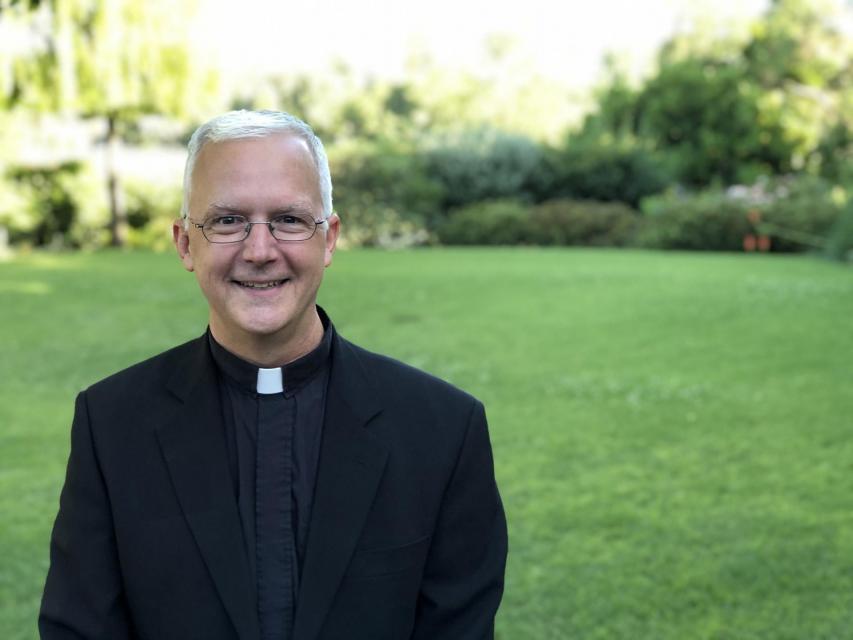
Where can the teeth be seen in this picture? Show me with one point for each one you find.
(261, 285)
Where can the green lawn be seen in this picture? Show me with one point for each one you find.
(673, 433)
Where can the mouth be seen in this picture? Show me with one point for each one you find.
(260, 285)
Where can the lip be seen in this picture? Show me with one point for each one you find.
(260, 287)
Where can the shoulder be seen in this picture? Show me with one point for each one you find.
(394, 379)
(142, 376)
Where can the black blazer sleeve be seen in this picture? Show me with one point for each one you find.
(464, 574)
(83, 594)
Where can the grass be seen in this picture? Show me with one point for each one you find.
(671, 431)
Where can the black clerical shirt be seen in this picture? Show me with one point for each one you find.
(304, 382)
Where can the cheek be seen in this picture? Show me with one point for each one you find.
(211, 277)
(213, 266)
(305, 261)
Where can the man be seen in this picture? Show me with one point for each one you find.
(270, 480)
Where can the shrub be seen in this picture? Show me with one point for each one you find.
(151, 209)
(481, 165)
(839, 245)
(58, 206)
(558, 222)
(50, 207)
(146, 201)
(797, 212)
(800, 211)
(492, 222)
(590, 171)
(583, 222)
(382, 193)
(366, 223)
(708, 220)
(156, 235)
(16, 211)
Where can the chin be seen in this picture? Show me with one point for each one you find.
(260, 321)
(266, 322)
(265, 328)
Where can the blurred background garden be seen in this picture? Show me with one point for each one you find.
(729, 116)
(662, 337)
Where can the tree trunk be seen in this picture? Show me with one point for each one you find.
(118, 214)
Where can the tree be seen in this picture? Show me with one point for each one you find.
(705, 114)
(725, 111)
(802, 61)
(109, 59)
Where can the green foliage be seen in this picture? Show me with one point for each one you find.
(50, 208)
(113, 60)
(60, 206)
(482, 164)
(491, 222)
(11, 4)
(553, 223)
(17, 214)
(122, 57)
(835, 151)
(592, 171)
(805, 205)
(615, 113)
(717, 111)
(382, 193)
(729, 112)
(156, 236)
(583, 222)
(796, 212)
(839, 244)
(797, 42)
(151, 209)
(705, 114)
(709, 220)
(504, 92)
(147, 201)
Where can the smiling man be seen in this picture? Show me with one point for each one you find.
(269, 479)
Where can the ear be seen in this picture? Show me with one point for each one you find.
(181, 238)
(331, 238)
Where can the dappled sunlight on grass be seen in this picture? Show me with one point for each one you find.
(48, 261)
(32, 287)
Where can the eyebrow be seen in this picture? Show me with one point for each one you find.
(219, 208)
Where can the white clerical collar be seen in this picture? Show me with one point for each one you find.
(269, 380)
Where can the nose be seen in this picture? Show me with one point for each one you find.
(259, 247)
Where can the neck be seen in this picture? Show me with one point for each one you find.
(272, 350)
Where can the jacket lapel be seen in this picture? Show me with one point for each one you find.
(193, 445)
(350, 467)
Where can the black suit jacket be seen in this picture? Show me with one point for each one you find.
(407, 536)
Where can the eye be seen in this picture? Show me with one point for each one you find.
(225, 224)
(227, 221)
(291, 221)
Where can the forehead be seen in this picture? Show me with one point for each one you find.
(281, 149)
(279, 166)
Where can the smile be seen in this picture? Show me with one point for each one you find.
(260, 285)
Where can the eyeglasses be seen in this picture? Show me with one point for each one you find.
(291, 227)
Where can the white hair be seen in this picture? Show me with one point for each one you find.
(235, 125)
